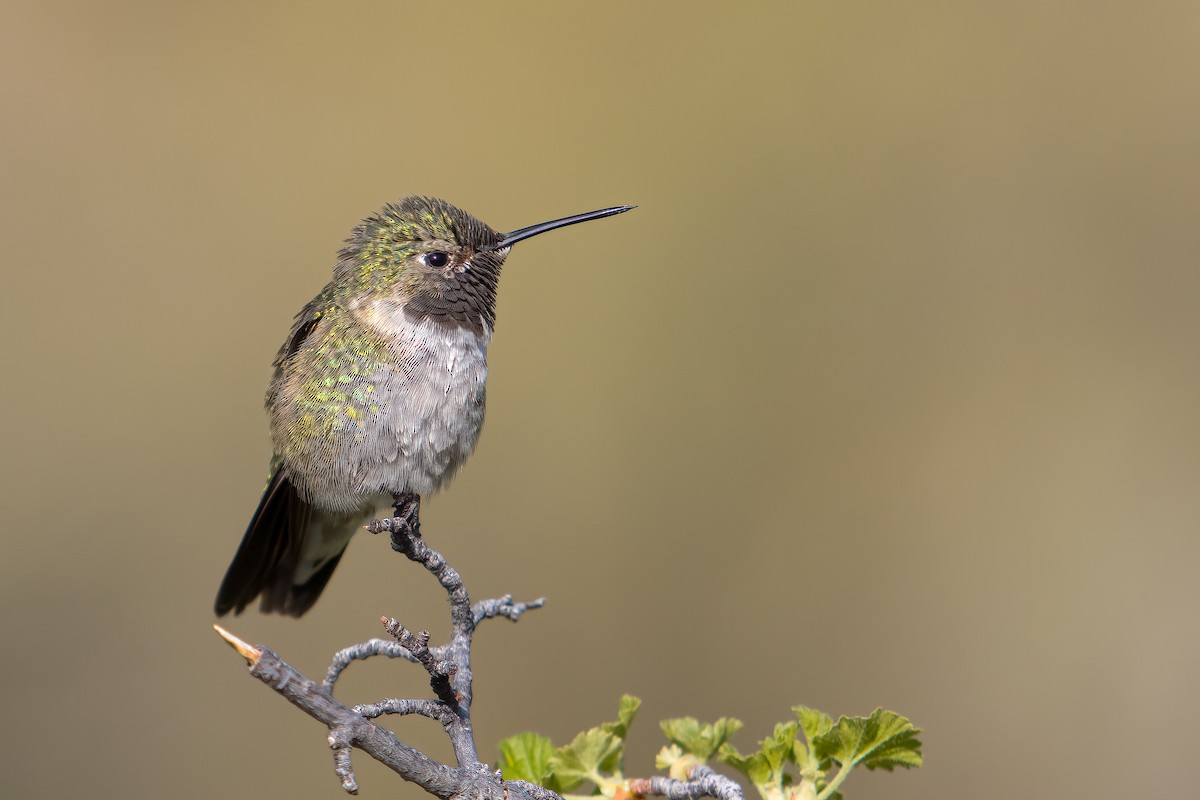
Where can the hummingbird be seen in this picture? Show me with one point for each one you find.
(377, 396)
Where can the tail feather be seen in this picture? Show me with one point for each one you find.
(267, 559)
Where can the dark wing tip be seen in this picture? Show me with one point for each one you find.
(265, 560)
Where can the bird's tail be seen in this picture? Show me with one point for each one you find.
(287, 555)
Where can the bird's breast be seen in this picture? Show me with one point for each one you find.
(390, 404)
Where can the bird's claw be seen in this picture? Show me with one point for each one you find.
(405, 526)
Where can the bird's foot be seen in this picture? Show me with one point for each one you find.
(405, 526)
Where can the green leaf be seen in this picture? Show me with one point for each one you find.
(883, 740)
(581, 760)
(682, 731)
(753, 766)
(619, 729)
(526, 757)
(765, 768)
(595, 754)
(700, 740)
(814, 723)
(779, 747)
(625, 714)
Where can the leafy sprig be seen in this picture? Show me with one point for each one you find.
(804, 759)
(824, 752)
(596, 755)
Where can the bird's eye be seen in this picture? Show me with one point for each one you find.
(437, 259)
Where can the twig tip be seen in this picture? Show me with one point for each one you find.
(245, 649)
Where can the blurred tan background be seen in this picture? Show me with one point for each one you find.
(885, 395)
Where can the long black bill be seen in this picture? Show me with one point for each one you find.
(533, 230)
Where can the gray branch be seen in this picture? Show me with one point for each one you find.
(503, 607)
(341, 741)
(435, 710)
(531, 790)
(360, 652)
(440, 670)
(702, 782)
(388, 648)
(449, 668)
(462, 618)
(351, 729)
(348, 728)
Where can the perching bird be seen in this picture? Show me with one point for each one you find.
(377, 394)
